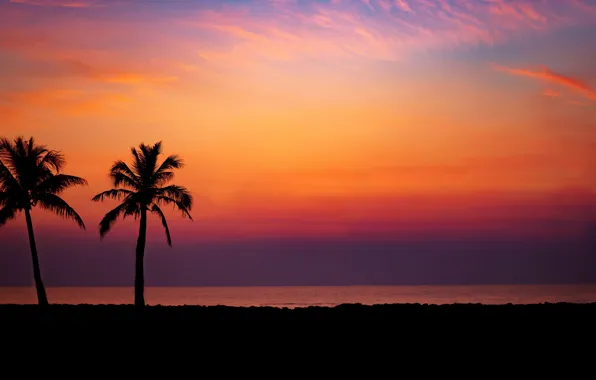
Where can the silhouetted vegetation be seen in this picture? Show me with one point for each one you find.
(142, 189)
(475, 315)
(30, 176)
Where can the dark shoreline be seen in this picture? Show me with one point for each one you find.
(345, 311)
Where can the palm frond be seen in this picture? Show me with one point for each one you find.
(176, 204)
(155, 209)
(30, 144)
(5, 142)
(179, 193)
(117, 194)
(58, 206)
(151, 154)
(21, 146)
(164, 174)
(145, 149)
(151, 150)
(38, 151)
(121, 167)
(55, 184)
(7, 213)
(8, 154)
(171, 162)
(12, 190)
(51, 160)
(121, 179)
(133, 207)
(162, 178)
(6, 149)
(7, 179)
(110, 218)
(138, 162)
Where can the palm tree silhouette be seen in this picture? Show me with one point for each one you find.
(29, 177)
(141, 190)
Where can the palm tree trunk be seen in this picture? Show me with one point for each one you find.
(42, 298)
(139, 272)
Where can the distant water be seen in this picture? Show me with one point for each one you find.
(300, 296)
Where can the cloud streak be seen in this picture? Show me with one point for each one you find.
(379, 29)
(546, 74)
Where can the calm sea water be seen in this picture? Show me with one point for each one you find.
(289, 296)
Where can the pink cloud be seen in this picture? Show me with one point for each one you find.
(384, 29)
(287, 29)
(545, 74)
(403, 5)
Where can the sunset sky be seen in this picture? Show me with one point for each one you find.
(398, 131)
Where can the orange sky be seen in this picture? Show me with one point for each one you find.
(316, 118)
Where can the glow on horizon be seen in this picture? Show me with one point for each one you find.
(324, 118)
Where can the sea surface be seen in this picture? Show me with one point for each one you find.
(301, 296)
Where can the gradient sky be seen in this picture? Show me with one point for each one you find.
(326, 142)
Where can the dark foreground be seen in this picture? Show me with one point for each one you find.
(472, 312)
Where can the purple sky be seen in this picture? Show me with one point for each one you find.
(306, 262)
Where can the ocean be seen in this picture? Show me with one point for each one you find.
(301, 296)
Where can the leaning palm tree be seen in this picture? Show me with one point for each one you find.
(29, 177)
(142, 189)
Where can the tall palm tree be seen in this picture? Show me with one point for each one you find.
(142, 189)
(30, 176)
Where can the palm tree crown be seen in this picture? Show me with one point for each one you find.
(29, 177)
(142, 188)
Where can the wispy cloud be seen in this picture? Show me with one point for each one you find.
(403, 5)
(71, 68)
(61, 3)
(67, 101)
(546, 74)
(274, 29)
(378, 29)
